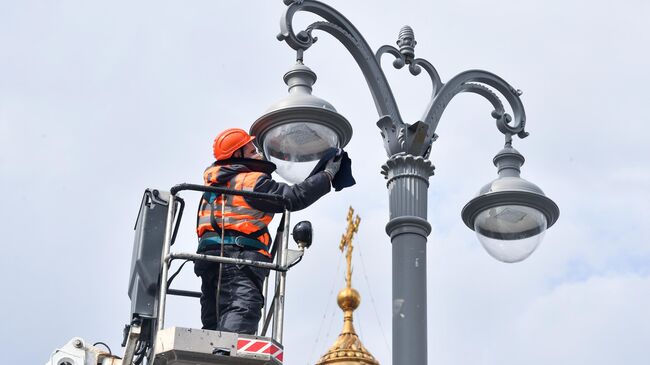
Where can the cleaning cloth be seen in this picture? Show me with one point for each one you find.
(343, 179)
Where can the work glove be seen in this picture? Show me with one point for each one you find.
(333, 166)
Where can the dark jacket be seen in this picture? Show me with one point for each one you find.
(252, 175)
(299, 196)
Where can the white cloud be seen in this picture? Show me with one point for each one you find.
(99, 101)
(598, 321)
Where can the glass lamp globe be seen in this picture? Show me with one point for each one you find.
(510, 233)
(296, 148)
(510, 214)
(296, 132)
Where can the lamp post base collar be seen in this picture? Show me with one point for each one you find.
(408, 224)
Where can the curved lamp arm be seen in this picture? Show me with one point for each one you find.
(400, 137)
(474, 81)
(345, 32)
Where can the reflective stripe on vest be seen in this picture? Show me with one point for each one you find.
(238, 214)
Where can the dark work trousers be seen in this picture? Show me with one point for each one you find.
(240, 300)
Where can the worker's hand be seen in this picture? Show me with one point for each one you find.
(333, 166)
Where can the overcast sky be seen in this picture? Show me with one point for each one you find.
(100, 100)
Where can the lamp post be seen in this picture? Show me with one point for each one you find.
(509, 215)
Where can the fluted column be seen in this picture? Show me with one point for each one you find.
(408, 182)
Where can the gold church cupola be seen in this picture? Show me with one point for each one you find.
(348, 349)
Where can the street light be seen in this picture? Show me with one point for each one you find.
(298, 130)
(509, 214)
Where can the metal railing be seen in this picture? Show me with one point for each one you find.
(280, 266)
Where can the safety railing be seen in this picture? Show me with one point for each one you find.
(280, 266)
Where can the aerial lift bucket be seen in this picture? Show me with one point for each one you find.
(147, 338)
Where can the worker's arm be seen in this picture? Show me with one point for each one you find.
(299, 196)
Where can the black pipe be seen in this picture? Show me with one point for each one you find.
(178, 218)
(184, 293)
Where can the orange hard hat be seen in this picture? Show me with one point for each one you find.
(229, 141)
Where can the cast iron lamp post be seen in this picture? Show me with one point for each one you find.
(509, 214)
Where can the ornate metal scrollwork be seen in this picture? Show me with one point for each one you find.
(400, 137)
(475, 81)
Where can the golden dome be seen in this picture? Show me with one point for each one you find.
(348, 349)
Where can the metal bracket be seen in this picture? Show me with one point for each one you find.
(131, 342)
(293, 256)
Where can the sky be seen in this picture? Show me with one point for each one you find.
(101, 100)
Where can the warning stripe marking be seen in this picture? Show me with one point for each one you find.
(256, 346)
(271, 349)
(276, 352)
(242, 343)
(263, 347)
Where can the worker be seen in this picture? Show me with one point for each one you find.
(244, 226)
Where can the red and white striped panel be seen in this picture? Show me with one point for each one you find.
(260, 347)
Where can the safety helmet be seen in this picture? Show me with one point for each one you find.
(229, 141)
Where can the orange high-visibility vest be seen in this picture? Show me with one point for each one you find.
(238, 215)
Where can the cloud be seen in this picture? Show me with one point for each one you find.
(601, 320)
(100, 101)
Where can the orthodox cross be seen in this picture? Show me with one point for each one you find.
(346, 242)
